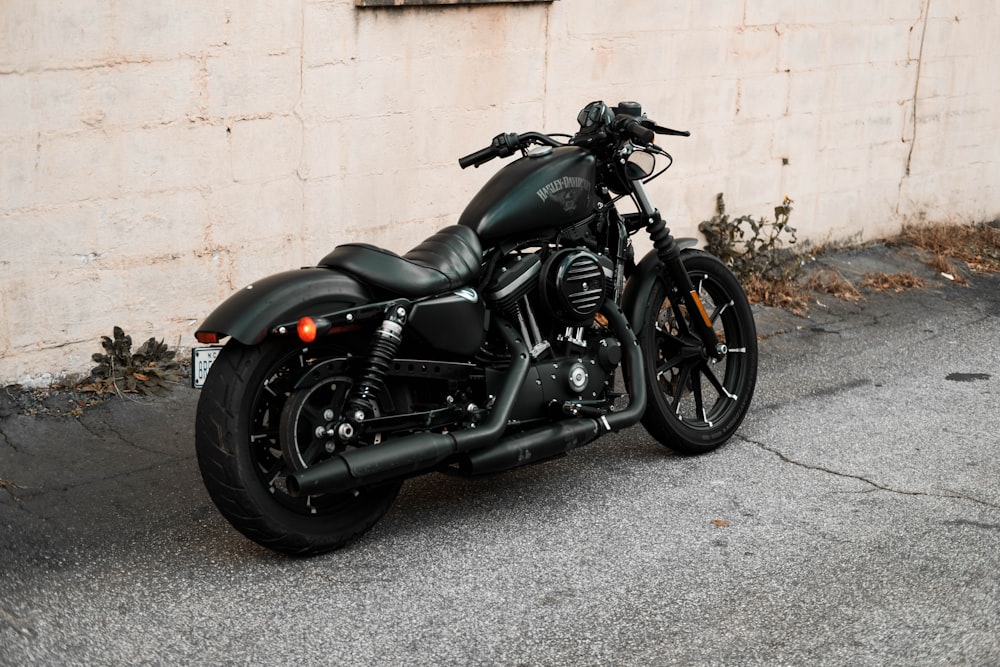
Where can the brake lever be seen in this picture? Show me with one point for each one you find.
(659, 129)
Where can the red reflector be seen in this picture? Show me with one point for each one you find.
(307, 330)
(207, 337)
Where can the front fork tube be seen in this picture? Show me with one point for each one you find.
(670, 255)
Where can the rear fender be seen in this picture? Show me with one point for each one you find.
(250, 314)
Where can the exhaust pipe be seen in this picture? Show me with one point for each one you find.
(559, 438)
(421, 452)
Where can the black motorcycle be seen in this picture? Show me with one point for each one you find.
(493, 344)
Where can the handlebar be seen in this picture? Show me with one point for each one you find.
(504, 145)
(640, 131)
(633, 128)
(596, 129)
(501, 146)
(479, 157)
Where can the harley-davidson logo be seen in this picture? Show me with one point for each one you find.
(564, 183)
(568, 191)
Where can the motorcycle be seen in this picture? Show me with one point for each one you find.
(495, 343)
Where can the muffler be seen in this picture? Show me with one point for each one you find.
(416, 453)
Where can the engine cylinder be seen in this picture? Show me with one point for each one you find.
(517, 277)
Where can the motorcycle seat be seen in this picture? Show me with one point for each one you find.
(446, 260)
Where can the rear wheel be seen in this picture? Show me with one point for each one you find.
(696, 403)
(246, 406)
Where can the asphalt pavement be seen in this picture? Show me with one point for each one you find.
(853, 520)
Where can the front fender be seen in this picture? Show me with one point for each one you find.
(252, 312)
(639, 283)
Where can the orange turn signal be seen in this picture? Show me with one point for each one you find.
(307, 329)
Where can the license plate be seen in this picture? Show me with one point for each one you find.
(202, 359)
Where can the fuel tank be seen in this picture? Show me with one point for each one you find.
(548, 189)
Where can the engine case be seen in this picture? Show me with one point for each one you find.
(585, 378)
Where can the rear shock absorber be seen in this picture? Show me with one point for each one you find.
(371, 383)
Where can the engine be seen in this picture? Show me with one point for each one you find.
(554, 297)
(573, 285)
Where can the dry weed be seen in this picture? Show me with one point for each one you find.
(976, 245)
(897, 282)
(784, 294)
(831, 282)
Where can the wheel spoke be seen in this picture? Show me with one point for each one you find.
(682, 379)
(274, 471)
(714, 381)
(718, 311)
(667, 365)
(699, 401)
(314, 451)
(311, 414)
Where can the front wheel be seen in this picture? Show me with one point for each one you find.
(696, 403)
(250, 397)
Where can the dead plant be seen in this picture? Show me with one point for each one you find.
(976, 245)
(833, 283)
(149, 370)
(754, 250)
(896, 282)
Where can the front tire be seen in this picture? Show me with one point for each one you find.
(238, 433)
(696, 404)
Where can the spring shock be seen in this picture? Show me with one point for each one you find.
(371, 383)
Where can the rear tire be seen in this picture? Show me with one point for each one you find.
(238, 440)
(696, 404)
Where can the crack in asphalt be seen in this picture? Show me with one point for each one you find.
(110, 429)
(16, 624)
(9, 487)
(876, 485)
(6, 440)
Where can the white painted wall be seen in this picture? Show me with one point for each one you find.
(155, 157)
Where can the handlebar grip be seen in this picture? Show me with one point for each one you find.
(632, 127)
(477, 158)
(642, 135)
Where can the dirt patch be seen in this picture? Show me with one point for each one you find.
(952, 252)
(53, 401)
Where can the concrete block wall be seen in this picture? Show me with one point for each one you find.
(155, 157)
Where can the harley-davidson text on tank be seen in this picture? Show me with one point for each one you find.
(569, 191)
